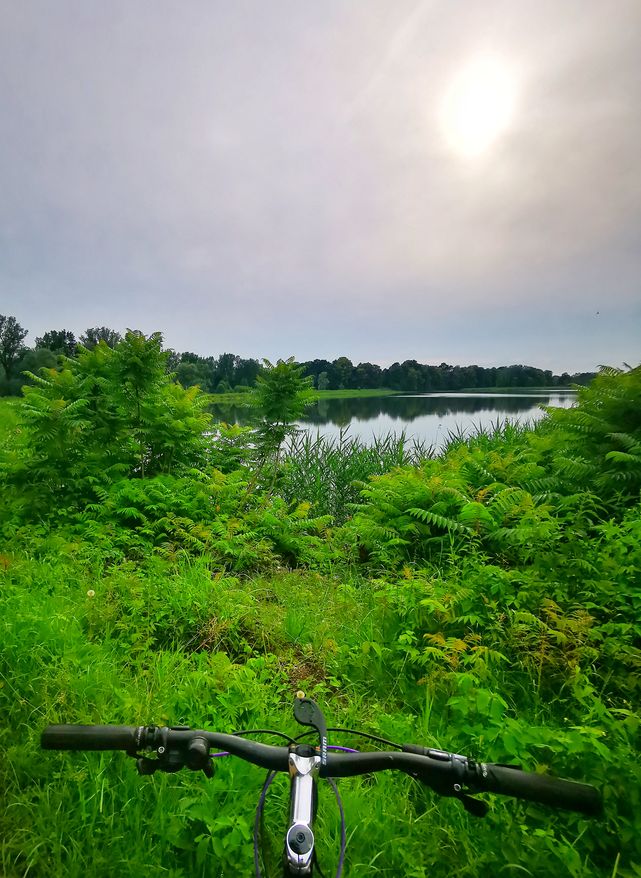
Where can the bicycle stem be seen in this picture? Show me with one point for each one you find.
(299, 841)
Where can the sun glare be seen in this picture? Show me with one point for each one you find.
(478, 107)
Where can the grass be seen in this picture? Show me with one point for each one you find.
(243, 398)
(354, 394)
(515, 641)
(68, 657)
(329, 473)
(511, 389)
(178, 644)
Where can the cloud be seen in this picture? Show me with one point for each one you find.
(235, 170)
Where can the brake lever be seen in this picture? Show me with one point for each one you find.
(195, 757)
(147, 766)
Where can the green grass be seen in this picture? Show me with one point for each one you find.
(510, 389)
(176, 645)
(354, 394)
(330, 473)
(230, 398)
(242, 398)
(67, 657)
(485, 602)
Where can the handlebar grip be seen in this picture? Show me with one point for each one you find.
(77, 737)
(554, 791)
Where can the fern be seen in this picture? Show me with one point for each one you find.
(428, 517)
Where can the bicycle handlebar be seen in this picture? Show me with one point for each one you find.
(447, 773)
(78, 737)
(553, 791)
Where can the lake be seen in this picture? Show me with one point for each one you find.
(427, 417)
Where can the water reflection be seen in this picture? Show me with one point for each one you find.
(427, 417)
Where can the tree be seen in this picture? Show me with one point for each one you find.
(344, 369)
(192, 374)
(95, 334)
(60, 341)
(368, 376)
(140, 371)
(35, 360)
(247, 371)
(314, 368)
(11, 347)
(281, 395)
(103, 418)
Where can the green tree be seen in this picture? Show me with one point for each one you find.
(106, 416)
(190, 374)
(60, 341)
(95, 334)
(35, 360)
(344, 369)
(281, 395)
(11, 347)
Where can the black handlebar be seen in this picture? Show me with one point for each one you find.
(68, 737)
(136, 739)
(447, 773)
(552, 791)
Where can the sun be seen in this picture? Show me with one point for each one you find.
(478, 107)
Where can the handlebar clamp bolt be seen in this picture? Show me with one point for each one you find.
(300, 839)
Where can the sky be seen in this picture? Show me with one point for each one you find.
(431, 180)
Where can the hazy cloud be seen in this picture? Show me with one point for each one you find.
(274, 178)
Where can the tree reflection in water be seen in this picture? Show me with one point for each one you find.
(426, 417)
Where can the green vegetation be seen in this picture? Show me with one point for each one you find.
(246, 398)
(542, 389)
(353, 394)
(9, 414)
(230, 377)
(156, 567)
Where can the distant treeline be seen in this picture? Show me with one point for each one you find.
(412, 376)
(228, 372)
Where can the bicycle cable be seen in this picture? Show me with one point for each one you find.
(376, 738)
(245, 732)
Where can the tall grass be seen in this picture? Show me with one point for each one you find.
(67, 657)
(329, 472)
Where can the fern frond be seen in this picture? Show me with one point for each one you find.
(428, 517)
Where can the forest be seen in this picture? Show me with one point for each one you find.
(158, 567)
(228, 372)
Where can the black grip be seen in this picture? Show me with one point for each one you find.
(71, 737)
(554, 791)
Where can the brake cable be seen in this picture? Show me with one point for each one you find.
(375, 738)
(245, 732)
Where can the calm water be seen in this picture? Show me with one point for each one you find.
(427, 417)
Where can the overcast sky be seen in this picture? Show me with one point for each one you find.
(282, 178)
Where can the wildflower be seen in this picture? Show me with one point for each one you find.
(91, 593)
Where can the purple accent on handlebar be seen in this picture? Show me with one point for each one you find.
(222, 753)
